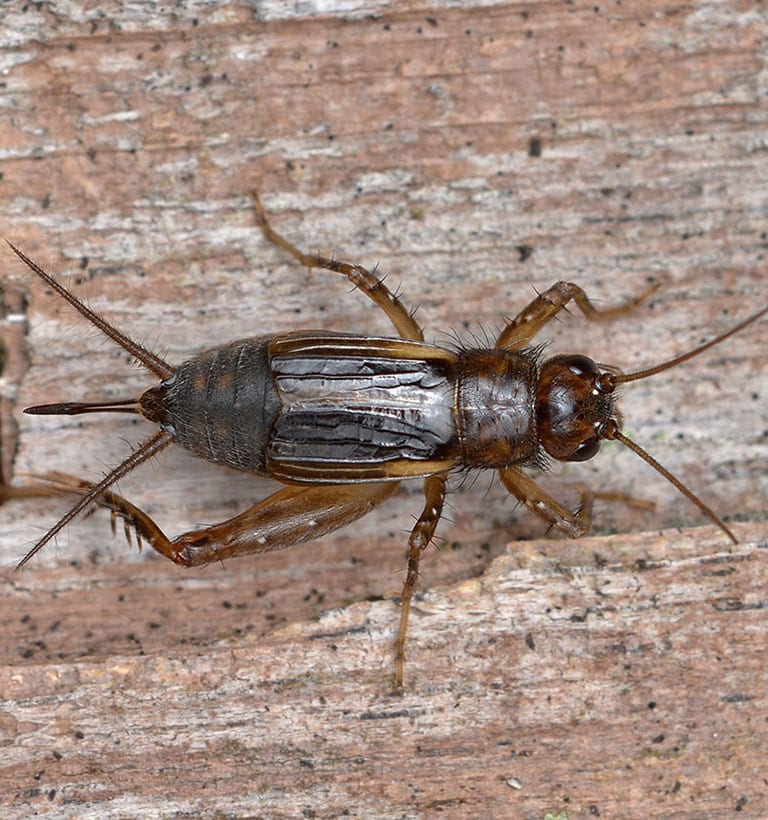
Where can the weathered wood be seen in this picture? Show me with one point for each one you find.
(547, 684)
(410, 139)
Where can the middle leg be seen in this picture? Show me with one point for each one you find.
(421, 535)
(373, 287)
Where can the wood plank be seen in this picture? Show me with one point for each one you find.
(476, 153)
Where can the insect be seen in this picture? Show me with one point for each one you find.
(341, 419)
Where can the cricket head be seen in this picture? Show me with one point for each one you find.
(576, 409)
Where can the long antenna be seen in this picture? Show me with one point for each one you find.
(611, 431)
(622, 378)
(607, 381)
(149, 360)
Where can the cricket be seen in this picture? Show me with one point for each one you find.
(341, 419)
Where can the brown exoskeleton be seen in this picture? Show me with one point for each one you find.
(341, 419)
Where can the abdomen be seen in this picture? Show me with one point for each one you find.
(221, 405)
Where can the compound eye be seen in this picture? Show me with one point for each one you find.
(586, 450)
(580, 365)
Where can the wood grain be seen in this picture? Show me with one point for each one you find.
(476, 153)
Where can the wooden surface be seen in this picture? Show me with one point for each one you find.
(617, 676)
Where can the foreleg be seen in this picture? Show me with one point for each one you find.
(519, 332)
(541, 503)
